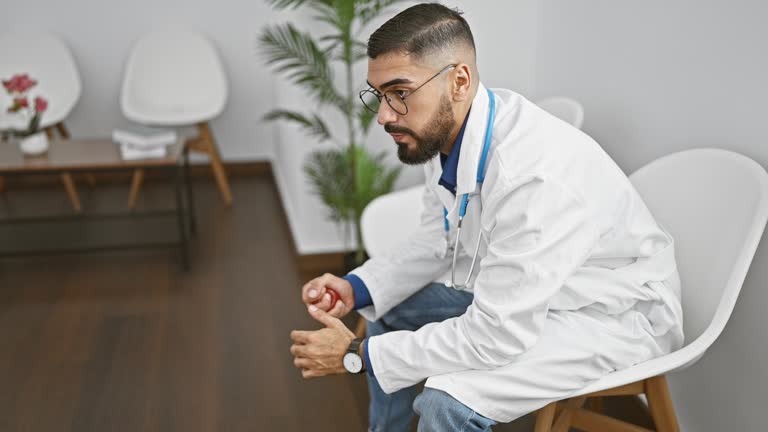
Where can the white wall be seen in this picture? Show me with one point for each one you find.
(657, 77)
(504, 33)
(101, 33)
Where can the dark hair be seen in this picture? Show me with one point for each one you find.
(421, 30)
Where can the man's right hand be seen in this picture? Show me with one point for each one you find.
(315, 292)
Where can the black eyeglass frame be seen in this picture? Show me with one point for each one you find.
(386, 94)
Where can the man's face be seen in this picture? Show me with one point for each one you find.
(426, 128)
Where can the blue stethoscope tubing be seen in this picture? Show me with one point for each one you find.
(465, 201)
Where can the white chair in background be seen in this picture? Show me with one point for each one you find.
(389, 219)
(176, 79)
(48, 61)
(565, 109)
(715, 204)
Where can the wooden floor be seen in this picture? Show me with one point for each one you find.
(126, 341)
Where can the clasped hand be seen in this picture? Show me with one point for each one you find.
(320, 352)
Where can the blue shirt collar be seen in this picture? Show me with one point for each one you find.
(450, 163)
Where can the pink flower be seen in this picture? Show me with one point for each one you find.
(40, 104)
(19, 83)
(18, 103)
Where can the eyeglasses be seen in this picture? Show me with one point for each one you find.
(371, 98)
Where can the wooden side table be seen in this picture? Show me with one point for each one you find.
(101, 155)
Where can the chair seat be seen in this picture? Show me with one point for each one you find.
(677, 360)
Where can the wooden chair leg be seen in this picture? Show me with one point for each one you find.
(209, 146)
(64, 133)
(585, 420)
(660, 403)
(62, 130)
(69, 185)
(544, 418)
(563, 420)
(66, 178)
(136, 181)
(596, 404)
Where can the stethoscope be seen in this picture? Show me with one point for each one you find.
(465, 202)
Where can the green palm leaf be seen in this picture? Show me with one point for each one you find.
(297, 54)
(329, 174)
(284, 4)
(314, 125)
(365, 118)
(347, 179)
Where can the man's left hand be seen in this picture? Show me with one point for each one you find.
(319, 353)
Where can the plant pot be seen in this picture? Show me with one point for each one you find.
(35, 144)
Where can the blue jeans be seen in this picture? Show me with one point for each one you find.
(437, 410)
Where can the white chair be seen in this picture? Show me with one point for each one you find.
(715, 204)
(388, 219)
(176, 79)
(47, 60)
(565, 109)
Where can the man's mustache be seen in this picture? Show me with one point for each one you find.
(390, 128)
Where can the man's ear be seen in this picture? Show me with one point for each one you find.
(462, 82)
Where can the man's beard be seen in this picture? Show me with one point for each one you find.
(429, 143)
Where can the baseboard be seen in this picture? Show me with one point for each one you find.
(321, 263)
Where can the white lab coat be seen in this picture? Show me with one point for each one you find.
(575, 277)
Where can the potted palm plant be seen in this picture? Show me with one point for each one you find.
(346, 177)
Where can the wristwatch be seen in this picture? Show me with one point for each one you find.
(353, 363)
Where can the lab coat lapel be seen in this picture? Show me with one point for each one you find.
(472, 144)
(469, 159)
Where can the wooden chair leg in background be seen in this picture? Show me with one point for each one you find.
(66, 178)
(205, 143)
(69, 185)
(64, 133)
(136, 181)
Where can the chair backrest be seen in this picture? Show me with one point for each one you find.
(715, 204)
(48, 61)
(173, 78)
(389, 219)
(565, 109)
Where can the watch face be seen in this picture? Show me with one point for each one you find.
(353, 363)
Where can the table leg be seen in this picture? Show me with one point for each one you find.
(190, 194)
(178, 179)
